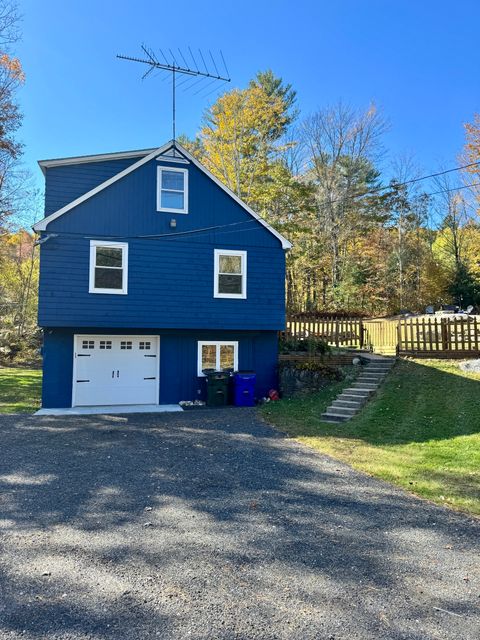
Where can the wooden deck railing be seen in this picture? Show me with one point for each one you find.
(436, 336)
(343, 332)
(445, 337)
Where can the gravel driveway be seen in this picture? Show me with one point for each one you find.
(209, 524)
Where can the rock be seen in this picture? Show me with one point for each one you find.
(470, 365)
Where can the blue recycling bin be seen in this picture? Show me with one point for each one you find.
(244, 388)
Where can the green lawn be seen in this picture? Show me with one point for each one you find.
(421, 431)
(20, 390)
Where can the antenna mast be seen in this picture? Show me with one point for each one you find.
(194, 74)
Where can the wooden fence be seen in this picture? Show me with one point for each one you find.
(380, 336)
(343, 332)
(439, 337)
(434, 337)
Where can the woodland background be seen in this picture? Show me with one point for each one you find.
(373, 235)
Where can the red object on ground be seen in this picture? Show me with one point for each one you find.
(273, 394)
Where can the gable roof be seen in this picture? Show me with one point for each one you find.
(100, 157)
(147, 155)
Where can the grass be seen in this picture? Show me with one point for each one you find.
(20, 390)
(421, 431)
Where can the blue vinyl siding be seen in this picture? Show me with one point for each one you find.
(129, 208)
(170, 284)
(170, 280)
(178, 362)
(68, 182)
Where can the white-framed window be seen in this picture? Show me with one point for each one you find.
(217, 355)
(172, 190)
(230, 279)
(108, 267)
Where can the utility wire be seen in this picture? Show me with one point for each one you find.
(394, 184)
(162, 235)
(218, 228)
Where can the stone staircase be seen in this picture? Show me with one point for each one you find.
(351, 400)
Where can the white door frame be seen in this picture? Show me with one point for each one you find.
(116, 335)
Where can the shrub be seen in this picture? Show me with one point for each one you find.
(314, 346)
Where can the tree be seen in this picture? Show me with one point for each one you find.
(274, 87)
(239, 139)
(18, 293)
(472, 153)
(11, 78)
(340, 145)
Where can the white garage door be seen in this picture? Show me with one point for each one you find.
(110, 370)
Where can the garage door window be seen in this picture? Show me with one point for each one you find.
(217, 355)
(108, 267)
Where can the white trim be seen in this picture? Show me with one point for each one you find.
(42, 224)
(216, 271)
(112, 335)
(100, 157)
(93, 263)
(160, 170)
(218, 344)
(286, 244)
(177, 159)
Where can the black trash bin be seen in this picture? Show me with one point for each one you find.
(217, 387)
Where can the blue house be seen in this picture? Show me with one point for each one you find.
(151, 270)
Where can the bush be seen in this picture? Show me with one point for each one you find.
(24, 349)
(314, 346)
(330, 373)
(306, 377)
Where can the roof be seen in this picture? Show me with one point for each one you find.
(100, 157)
(145, 156)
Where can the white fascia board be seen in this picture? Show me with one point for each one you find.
(120, 155)
(286, 244)
(42, 224)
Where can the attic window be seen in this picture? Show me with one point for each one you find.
(172, 190)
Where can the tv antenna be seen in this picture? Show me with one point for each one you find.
(195, 74)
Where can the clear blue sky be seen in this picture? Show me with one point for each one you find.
(419, 60)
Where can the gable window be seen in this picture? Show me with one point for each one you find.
(108, 267)
(217, 355)
(230, 279)
(172, 190)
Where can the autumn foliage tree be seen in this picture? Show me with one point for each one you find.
(11, 78)
(472, 154)
(18, 258)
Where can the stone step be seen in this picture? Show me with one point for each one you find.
(378, 372)
(351, 397)
(358, 392)
(365, 385)
(348, 404)
(351, 400)
(370, 376)
(333, 417)
(342, 411)
(379, 365)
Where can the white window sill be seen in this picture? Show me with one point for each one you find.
(180, 211)
(233, 296)
(117, 292)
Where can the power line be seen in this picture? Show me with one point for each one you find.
(402, 184)
(216, 227)
(164, 235)
(466, 186)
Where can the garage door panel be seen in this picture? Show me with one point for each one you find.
(112, 370)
